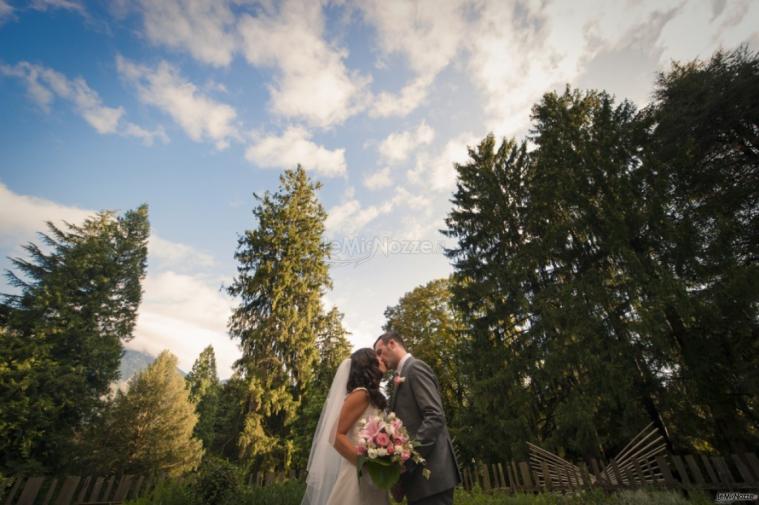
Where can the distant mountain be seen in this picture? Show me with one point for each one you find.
(133, 362)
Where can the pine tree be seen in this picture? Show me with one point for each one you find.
(77, 302)
(706, 149)
(150, 429)
(281, 275)
(203, 383)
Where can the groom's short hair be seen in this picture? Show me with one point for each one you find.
(390, 335)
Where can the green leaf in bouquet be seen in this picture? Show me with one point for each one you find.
(384, 475)
(360, 464)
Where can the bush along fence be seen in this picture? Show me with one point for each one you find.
(74, 490)
(643, 462)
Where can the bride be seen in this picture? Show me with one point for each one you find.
(354, 395)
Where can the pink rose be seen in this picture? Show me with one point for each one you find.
(361, 449)
(390, 448)
(405, 455)
(382, 439)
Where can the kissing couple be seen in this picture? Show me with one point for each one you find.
(353, 400)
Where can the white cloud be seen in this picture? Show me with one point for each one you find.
(44, 84)
(295, 146)
(44, 5)
(312, 82)
(148, 137)
(410, 97)
(204, 28)
(435, 171)
(397, 146)
(200, 116)
(6, 12)
(22, 216)
(182, 312)
(379, 179)
(428, 33)
(349, 217)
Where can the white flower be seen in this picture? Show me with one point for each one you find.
(381, 451)
(372, 453)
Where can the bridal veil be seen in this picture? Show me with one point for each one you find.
(324, 460)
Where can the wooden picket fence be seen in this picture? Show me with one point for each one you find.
(74, 490)
(666, 471)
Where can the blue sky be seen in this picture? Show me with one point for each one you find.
(193, 105)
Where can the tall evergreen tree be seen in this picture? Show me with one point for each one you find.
(706, 150)
(77, 302)
(203, 383)
(150, 428)
(282, 273)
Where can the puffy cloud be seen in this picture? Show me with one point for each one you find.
(6, 12)
(313, 83)
(200, 116)
(409, 98)
(379, 179)
(295, 146)
(397, 146)
(205, 28)
(436, 171)
(184, 313)
(349, 217)
(44, 5)
(428, 33)
(44, 85)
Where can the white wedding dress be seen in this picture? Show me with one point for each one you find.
(331, 479)
(349, 489)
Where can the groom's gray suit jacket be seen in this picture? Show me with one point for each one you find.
(418, 404)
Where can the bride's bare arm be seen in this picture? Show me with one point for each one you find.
(355, 404)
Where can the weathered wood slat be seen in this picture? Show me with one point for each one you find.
(529, 483)
(709, 469)
(66, 494)
(137, 487)
(722, 470)
(502, 476)
(122, 490)
(30, 491)
(677, 460)
(743, 470)
(668, 478)
(14, 489)
(50, 491)
(753, 463)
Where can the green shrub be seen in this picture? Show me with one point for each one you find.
(594, 497)
(216, 480)
(168, 492)
(284, 493)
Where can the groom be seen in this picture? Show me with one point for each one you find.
(416, 400)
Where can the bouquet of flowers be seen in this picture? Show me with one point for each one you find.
(383, 448)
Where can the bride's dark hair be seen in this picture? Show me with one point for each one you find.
(365, 372)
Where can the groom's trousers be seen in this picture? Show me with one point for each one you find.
(444, 498)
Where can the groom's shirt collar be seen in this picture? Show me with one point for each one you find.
(402, 362)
